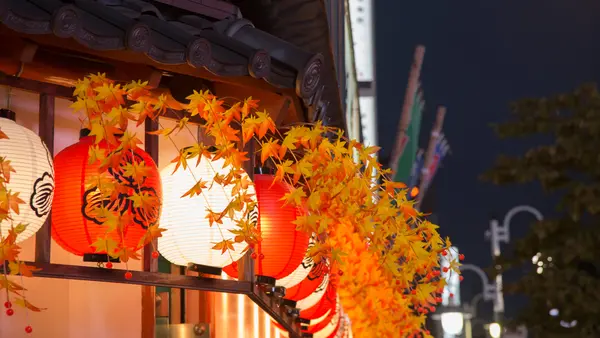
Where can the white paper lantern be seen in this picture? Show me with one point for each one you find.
(301, 271)
(189, 237)
(322, 318)
(314, 297)
(33, 178)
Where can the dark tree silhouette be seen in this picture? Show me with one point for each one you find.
(568, 167)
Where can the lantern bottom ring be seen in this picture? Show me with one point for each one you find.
(99, 258)
(305, 334)
(303, 321)
(204, 269)
(266, 280)
(289, 302)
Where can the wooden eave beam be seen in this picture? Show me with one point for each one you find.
(67, 93)
(132, 58)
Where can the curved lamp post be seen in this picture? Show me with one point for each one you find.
(501, 233)
(489, 288)
(453, 318)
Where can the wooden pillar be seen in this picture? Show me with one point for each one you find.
(150, 264)
(46, 132)
(200, 306)
(177, 300)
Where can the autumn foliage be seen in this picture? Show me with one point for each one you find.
(381, 253)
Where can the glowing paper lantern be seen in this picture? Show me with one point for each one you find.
(75, 225)
(313, 323)
(301, 272)
(282, 247)
(33, 178)
(315, 297)
(330, 328)
(323, 321)
(189, 237)
(325, 300)
(307, 290)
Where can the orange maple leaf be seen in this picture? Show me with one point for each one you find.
(214, 217)
(153, 232)
(6, 169)
(269, 149)
(142, 109)
(236, 158)
(196, 189)
(265, 123)
(249, 104)
(224, 245)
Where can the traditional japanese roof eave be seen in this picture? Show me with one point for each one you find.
(303, 23)
(219, 41)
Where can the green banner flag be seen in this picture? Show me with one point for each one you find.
(410, 142)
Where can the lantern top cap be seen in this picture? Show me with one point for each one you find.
(264, 171)
(8, 114)
(85, 132)
(210, 149)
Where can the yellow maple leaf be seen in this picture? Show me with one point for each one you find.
(294, 197)
(24, 303)
(283, 169)
(143, 200)
(106, 245)
(137, 170)
(96, 154)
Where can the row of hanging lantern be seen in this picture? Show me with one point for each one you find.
(328, 322)
(61, 187)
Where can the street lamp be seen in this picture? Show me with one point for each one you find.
(452, 322)
(495, 330)
(501, 233)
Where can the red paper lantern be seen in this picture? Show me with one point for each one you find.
(325, 326)
(282, 247)
(316, 327)
(327, 302)
(74, 225)
(309, 284)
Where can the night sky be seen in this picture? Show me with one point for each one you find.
(480, 55)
